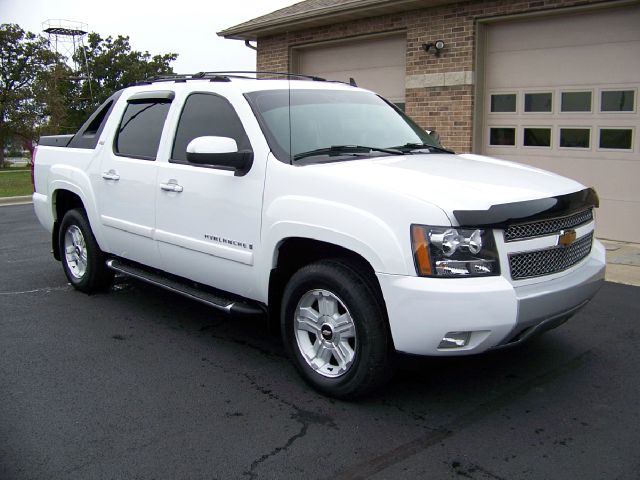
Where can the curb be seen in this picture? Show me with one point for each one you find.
(24, 200)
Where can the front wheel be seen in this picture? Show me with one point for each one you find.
(335, 330)
(82, 260)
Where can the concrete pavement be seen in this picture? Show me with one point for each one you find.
(15, 200)
(623, 262)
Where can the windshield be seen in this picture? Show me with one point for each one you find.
(322, 119)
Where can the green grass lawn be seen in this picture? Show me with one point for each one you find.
(15, 182)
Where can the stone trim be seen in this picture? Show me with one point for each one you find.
(446, 79)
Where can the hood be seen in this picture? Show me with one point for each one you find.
(454, 182)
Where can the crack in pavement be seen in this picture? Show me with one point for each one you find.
(37, 290)
(471, 469)
(367, 469)
(300, 415)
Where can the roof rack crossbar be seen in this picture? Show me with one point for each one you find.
(178, 77)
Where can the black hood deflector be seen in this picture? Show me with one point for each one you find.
(499, 216)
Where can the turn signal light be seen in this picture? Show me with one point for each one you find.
(421, 250)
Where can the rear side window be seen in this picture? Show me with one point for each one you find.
(87, 136)
(140, 129)
(207, 114)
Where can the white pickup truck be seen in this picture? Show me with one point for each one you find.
(321, 206)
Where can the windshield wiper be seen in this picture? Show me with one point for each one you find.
(407, 147)
(335, 150)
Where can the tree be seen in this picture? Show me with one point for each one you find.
(24, 59)
(57, 90)
(112, 66)
(41, 94)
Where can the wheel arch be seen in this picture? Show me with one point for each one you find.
(63, 200)
(293, 253)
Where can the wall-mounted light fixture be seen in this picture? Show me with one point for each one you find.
(437, 46)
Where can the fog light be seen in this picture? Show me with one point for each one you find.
(455, 340)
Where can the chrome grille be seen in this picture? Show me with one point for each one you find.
(549, 260)
(545, 227)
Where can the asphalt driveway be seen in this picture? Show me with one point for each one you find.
(139, 383)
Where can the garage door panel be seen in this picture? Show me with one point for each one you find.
(386, 81)
(598, 28)
(371, 53)
(377, 63)
(618, 220)
(582, 65)
(616, 179)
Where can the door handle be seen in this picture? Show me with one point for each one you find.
(171, 187)
(111, 175)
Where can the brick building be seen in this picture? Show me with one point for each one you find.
(551, 83)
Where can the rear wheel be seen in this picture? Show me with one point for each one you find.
(83, 262)
(335, 330)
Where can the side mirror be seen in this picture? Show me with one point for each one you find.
(435, 135)
(219, 152)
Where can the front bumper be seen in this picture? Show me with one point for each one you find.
(497, 312)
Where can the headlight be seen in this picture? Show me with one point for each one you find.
(453, 252)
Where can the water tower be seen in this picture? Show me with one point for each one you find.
(66, 37)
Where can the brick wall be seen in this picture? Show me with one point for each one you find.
(448, 109)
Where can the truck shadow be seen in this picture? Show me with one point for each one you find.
(446, 379)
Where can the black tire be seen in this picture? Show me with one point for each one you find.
(354, 297)
(87, 276)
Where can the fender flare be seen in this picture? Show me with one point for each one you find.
(76, 181)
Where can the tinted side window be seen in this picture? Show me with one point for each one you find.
(140, 130)
(206, 114)
(87, 136)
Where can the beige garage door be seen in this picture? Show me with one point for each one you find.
(561, 93)
(376, 63)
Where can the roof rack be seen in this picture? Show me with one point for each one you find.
(179, 77)
(223, 76)
(243, 73)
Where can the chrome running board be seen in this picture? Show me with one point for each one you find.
(173, 284)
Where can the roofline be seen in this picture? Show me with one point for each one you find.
(251, 29)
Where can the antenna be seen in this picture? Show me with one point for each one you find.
(66, 37)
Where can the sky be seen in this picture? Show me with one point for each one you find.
(185, 27)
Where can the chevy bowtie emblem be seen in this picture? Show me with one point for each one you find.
(567, 237)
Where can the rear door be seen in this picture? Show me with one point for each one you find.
(127, 184)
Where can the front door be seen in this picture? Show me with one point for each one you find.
(208, 219)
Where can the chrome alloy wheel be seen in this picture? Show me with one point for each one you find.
(75, 251)
(325, 333)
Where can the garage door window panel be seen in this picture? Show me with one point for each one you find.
(539, 137)
(503, 103)
(502, 136)
(616, 139)
(538, 102)
(617, 101)
(575, 138)
(575, 102)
